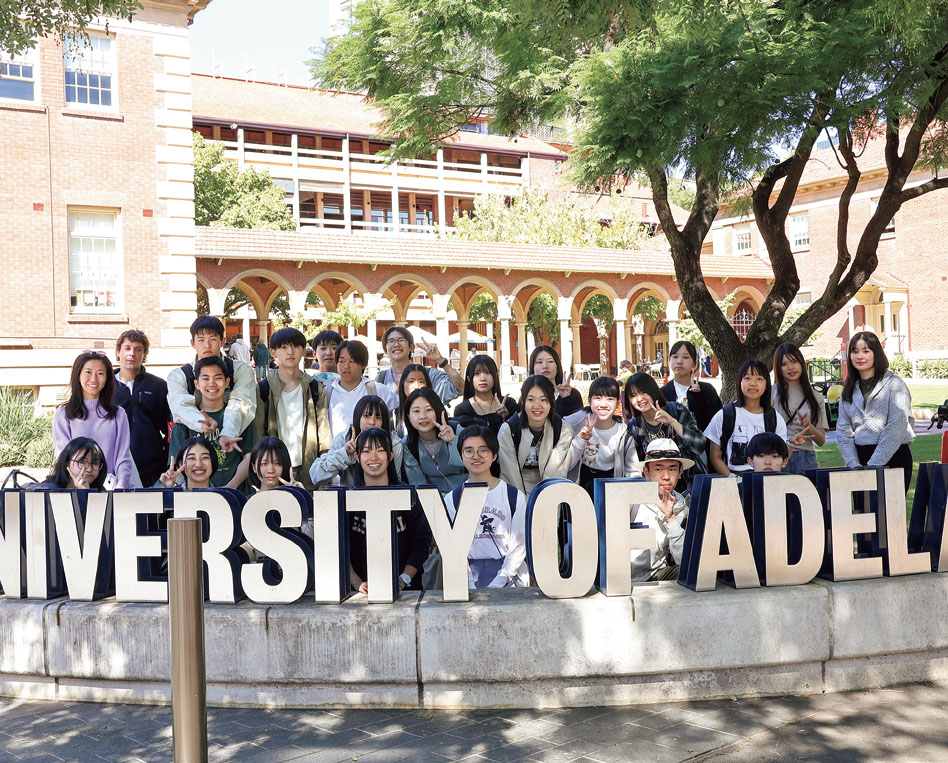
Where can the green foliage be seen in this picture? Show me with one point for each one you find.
(536, 217)
(23, 22)
(933, 369)
(25, 438)
(542, 319)
(227, 197)
(688, 329)
(483, 308)
(346, 314)
(650, 306)
(901, 366)
(680, 194)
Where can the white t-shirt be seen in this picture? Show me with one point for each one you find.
(682, 391)
(342, 404)
(500, 532)
(599, 451)
(746, 425)
(291, 422)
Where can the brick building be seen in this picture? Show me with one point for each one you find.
(97, 216)
(904, 300)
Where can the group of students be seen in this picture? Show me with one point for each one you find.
(229, 429)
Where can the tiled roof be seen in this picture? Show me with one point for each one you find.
(294, 107)
(418, 251)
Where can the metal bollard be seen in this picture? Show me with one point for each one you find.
(186, 604)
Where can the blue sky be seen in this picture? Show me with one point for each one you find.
(272, 37)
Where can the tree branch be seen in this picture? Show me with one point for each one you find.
(934, 184)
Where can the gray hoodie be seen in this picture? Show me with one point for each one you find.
(884, 419)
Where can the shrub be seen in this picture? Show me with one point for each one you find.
(933, 369)
(25, 438)
(901, 366)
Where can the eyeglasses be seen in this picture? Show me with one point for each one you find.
(87, 465)
(482, 451)
(662, 455)
(401, 342)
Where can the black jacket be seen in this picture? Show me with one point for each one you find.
(148, 419)
(703, 405)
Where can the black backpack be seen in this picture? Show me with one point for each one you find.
(263, 389)
(730, 418)
(511, 497)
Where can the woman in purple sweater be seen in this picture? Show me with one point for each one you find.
(90, 412)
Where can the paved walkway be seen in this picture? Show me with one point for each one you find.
(901, 724)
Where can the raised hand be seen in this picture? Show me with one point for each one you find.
(694, 380)
(501, 408)
(564, 389)
(229, 443)
(170, 477)
(351, 442)
(666, 502)
(432, 352)
(444, 429)
(290, 483)
(208, 425)
(586, 432)
(661, 415)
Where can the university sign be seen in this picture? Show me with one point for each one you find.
(772, 530)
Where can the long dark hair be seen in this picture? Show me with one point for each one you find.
(880, 363)
(548, 390)
(689, 348)
(78, 447)
(374, 406)
(375, 436)
(402, 412)
(641, 382)
(761, 370)
(275, 448)
(556, 357)
(476, 364)
(783, 388)
(411, 437)
(190, 443)
(75, 406)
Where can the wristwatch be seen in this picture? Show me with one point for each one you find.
(404, 580)
(443, 363)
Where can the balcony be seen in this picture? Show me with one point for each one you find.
(348, 174)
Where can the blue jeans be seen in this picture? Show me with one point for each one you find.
(800, 461)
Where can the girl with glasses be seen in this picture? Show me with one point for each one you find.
(80, 466)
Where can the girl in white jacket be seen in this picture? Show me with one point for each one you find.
(535, 443)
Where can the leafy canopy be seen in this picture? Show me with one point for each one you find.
(227, 197)
(23, 22)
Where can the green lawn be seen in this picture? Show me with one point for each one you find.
(925, 448)
(927, 395)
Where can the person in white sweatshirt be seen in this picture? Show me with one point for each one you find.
(663, 464)
(497, 558)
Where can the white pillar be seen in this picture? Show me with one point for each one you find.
(245, 327)
(672, 310)
(261, 332)
(442, 218)
(504, 315)
(531, 346)
(216, 299)
(439, 306)
(372, 302)
(890, 346)
(852, 320)
(564, 311)
(240, 147)
(297, 301)
(347, 187)
(620, 308)
(395, 217)
(620, 342)
(903, 328)
(295, 173)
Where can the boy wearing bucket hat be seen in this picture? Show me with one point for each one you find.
(663, 464)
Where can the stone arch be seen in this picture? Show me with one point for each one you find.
(422, 282)
(338, 275)
(745, 293)
(259, 273)
(545, 285)
(642, 289)
(462, 297)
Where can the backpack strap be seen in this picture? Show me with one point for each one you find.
(188, 371)
(263, 389)
(512, 499)
(516, 431)
(230, 370)
(379, 377)
(727, 426)
(770, 420)
(456, 497)
(556, 422)
(370, 388)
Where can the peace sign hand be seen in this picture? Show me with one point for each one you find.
(290, 483)
(170, 477)
(444, 429)
(351, 442)
(208, 425)
(501, 408)
(229, 443)
(586, 432)
(695, 385)
(432, 352)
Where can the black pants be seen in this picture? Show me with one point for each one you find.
(901, 459)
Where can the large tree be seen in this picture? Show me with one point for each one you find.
(731, 93)
(23, 22)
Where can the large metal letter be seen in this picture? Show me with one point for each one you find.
(774, 497)
(381, 549)
(618, 538)
(11, 549)
(265, 519)
(844, 525)
(221, 509)
(896, 557)
(330, 546)
(454, 540)
(542, 543)
(133, 546)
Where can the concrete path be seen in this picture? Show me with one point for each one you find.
(902, 724)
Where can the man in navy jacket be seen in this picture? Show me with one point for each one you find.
(144, 397)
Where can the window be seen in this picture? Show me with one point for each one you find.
(890, 228)
(800, 231)
(803, 299)
(742, 238)
(742, 320)
(95, 262)
(18, 77)
(90, 71)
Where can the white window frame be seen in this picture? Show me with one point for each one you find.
(889, 231)
(803, 299)
(798, 242)
(75, 45)
(28, 58)
(739, 232)
(79, 230)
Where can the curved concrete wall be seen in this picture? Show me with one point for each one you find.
(503, 648)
